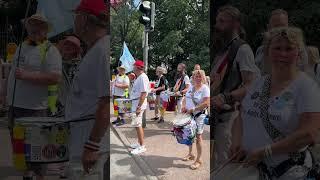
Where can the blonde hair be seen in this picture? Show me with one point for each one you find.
(313, 54)
(279, 12)
(292, 34)
(232, 11)
(202, 73)
(162, 70)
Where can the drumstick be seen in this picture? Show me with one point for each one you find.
(234, 172)
(216, 171)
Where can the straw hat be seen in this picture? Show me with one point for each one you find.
(39, 17)
(121, 67)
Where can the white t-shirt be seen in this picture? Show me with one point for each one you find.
(302, 95)
(140, 85)
(199, 95)
(27, 94)
(124, 80)
(90, 83)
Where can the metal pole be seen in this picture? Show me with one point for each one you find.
(145, 61)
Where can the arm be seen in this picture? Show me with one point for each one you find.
(142, 98)
(101, 123)
(204, 104)
(122, 86)
(185, 89)
(39, 78)
(306, 134)
(247, 78)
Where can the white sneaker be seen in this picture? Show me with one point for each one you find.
(139, 150)
(134, 146)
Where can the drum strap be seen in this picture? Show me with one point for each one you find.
(295, 158)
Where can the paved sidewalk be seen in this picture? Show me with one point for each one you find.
(163, 155)
(123, 166)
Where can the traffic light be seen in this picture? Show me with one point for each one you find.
(148, 10)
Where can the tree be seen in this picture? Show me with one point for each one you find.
(181, 34)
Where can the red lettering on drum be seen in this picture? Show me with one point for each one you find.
(49, 151)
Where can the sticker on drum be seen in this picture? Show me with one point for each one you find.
(124, 105)
(45, 139)
(182, 120)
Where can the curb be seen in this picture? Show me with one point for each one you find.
(145, 168)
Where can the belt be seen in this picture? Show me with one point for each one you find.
(284, 166)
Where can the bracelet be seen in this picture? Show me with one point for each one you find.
(93, 146)
(223, 97)
(228, 98)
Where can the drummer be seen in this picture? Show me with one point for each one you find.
(88, 103)
(182, 85)
(33, 76)
(120, 91)
(196, 102)
(280, 113)
(161, 85)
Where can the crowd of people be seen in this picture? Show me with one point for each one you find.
(188, 96)
(44, 74)
(267, 104)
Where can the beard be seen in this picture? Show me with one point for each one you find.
(221, 38)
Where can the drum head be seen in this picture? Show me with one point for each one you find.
(182, 120)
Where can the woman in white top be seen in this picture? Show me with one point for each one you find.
(159, 87)
(195, 103)
(313, 68)
(280, 113)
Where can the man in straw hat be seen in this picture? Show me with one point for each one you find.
(87, 104)
(37, 67)
(120, 90)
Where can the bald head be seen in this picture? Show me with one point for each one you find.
(278, 18)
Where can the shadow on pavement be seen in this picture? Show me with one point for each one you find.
(162, 163)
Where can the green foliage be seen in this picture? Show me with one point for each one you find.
(181, 34)
(303, 14)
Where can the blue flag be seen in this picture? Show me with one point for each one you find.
(59, 14)
(127, 59)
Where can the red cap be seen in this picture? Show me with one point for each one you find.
(94, 7)
(139, 63)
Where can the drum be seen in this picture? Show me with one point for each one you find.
(235, 171)
(124, 105)
(164, 98)
(184, 129)
(172, 104)
(151, 100)
(40, 140)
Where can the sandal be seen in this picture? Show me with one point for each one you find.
(188, 158)
(196, 165)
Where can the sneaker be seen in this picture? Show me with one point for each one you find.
(139, 150)
(155, 118)
(116, 121)
(121, 122)
(161, 120)
(134, 146)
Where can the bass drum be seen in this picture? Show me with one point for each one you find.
(172, 104)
